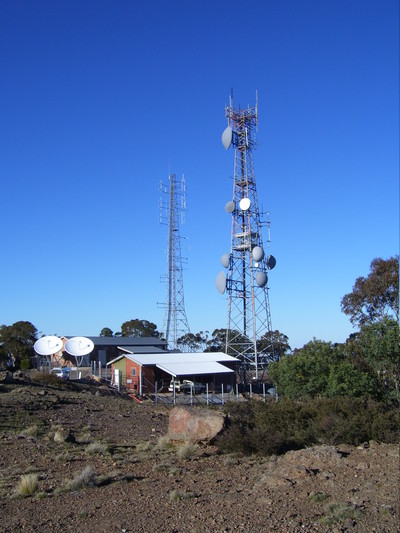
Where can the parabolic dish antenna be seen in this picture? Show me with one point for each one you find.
(225, 260)
(227, 137)
(48, 345)
(271, 262)
(220, 282)
(244, 204)
(261, 279)
(230, 207)
(78, 347)
(258, 253)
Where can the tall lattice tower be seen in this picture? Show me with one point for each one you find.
(249, 331)
(172, 209)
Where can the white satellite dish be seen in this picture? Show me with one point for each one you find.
(227, 137)
(78, 347)
(244, 204)
(48, 345)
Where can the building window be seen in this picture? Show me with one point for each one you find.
(133, 371)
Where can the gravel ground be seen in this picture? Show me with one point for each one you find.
(103, 464)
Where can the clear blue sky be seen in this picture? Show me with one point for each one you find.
(100, 98)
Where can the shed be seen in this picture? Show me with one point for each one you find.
(144, 373)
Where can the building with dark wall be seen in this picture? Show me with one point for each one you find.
(106, 348)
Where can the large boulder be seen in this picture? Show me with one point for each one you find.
(194, 424)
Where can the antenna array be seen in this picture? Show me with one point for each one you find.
(172, 210)
(249, 330)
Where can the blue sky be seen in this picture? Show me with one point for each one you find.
(101, 98)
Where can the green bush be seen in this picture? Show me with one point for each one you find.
(25, 364)
(274, 428)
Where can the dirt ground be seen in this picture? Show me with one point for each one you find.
(103, 464)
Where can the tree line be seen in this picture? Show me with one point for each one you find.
(367, 363)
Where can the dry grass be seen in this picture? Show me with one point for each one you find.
(187, 451)
(99, 448)
(86, 478)
(144, 446)
(163, 444)
(177, 495)
(31, 431)
(27, 485)
(167, 468)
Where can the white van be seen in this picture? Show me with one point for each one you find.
(61, 373)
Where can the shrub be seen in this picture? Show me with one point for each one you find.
(275, 428)
(27, 485)
(339, 512)
(25, 364)
(49, 379)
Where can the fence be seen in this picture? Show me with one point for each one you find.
(208, 397)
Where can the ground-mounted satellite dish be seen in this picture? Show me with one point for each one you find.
(271, 262)
(225, 260)
(244, 204)
(78, 347)
(261, 279)
(48, 345)
(220, 282)
(258, 254)
(230, 206)
(227, 137)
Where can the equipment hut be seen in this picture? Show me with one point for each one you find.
(146, 373)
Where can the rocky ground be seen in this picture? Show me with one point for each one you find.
(102, 463)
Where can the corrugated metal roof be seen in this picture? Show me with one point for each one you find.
(183, 364)
(168, 357)
(125, 341)
(194, 369)
(141, 349)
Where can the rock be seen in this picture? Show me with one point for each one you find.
(63, 435)
(6, 377)
(194, 425)
(18, 374)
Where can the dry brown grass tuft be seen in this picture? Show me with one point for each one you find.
(27, 485)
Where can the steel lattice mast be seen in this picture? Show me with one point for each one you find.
(249, 330)
(175, 320)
